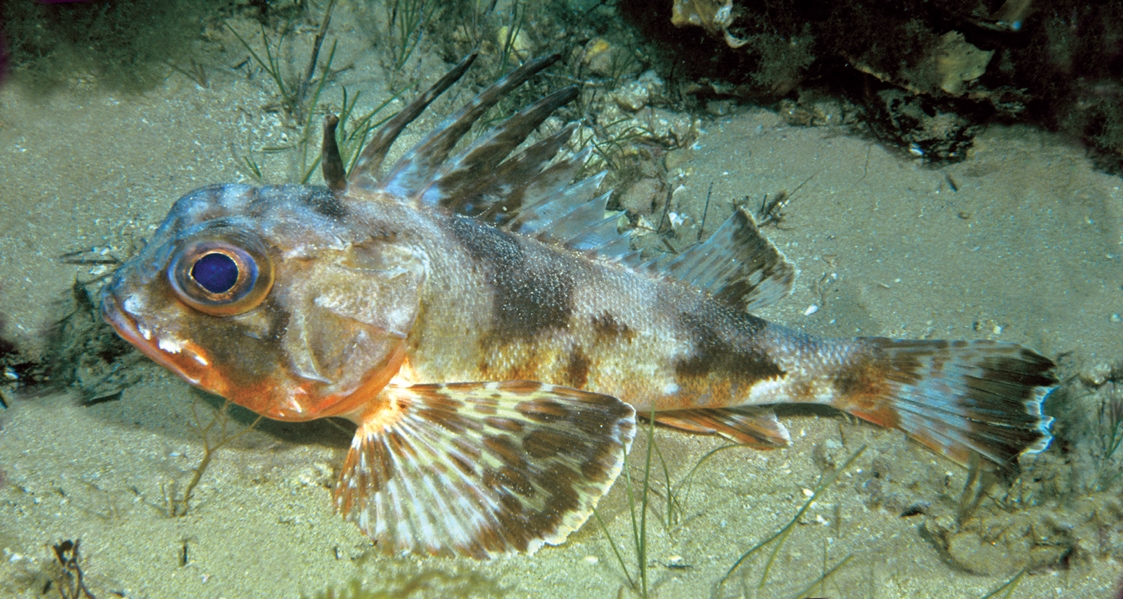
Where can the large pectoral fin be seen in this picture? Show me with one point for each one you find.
(479, 469)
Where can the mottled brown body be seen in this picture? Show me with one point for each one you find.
(519, 309)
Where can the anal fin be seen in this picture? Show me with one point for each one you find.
(753, 426)
(479, 469)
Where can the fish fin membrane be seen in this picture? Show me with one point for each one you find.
(422, 166)
(955, 397)
(737, 265)
(366, 172)
(464, 176)
(756, 427)
(533, 193)
(480, 469)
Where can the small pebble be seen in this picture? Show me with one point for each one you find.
(1096, 375)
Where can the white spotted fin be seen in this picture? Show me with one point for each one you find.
(480, 469)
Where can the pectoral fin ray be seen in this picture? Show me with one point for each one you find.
(480, 469)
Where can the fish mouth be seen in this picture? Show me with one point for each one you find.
(130, 330)
(121, 322)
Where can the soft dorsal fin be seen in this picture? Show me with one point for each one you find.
(737, 265)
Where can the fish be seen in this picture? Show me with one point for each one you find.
(489, 327)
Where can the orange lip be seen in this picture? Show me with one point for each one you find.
(122, 323)
(261, 398)
(127, 328)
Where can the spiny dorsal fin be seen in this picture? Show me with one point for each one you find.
(530, 196)
(459, 176)
(527, 194)
(367, 167)
(737, 265)
(533, 192)
(330, 160)
(420, 163)
(479, 178)
(502, 192)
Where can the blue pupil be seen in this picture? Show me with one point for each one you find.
(217, 273)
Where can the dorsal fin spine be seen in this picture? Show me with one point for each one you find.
(370, 161)
(485, 154)
(529, 196)
(419, 163)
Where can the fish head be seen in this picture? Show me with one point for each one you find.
(275, 298)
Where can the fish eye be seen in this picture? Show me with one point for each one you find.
(216, 272)
(221, 277)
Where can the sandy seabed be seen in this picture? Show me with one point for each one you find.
(1019, 242)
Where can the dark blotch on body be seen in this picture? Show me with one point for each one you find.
(322, 200)
(715, 353)
(577, 369)
(609, 328)
(531, 296)
(317, 197)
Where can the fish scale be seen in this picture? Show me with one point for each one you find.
(493, 335)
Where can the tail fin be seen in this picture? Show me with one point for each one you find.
(955, 397)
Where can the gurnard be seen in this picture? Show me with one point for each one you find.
(493, 335)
